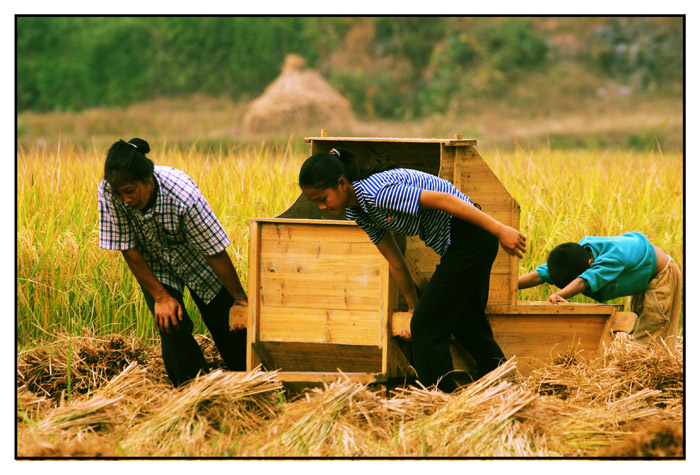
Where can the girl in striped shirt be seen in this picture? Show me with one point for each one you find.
(412, 202)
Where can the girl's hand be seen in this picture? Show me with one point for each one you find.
(168, 312)
(512, 241)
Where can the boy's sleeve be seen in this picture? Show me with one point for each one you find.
(115, 232)
(602, 272)
(203, 230)
(543, 272)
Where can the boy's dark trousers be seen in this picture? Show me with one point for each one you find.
(182, 355)
(453, 303)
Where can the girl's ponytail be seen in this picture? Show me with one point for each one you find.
(322, 170)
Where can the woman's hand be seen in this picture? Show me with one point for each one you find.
(168, 313)
(512, 240)
(238, 315)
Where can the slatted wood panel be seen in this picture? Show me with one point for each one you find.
(319, 282)
(319, 357)
(537, 332)
(474, 178)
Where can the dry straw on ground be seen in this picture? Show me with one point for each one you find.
(299, 99)
(626, 401)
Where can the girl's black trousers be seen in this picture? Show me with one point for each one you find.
(453, 303)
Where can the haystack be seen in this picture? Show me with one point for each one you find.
(298, 99)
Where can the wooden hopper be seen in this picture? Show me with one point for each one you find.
(322, 300)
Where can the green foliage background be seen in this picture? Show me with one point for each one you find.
(414, 65)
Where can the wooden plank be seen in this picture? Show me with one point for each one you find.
(386, 292)
(357, 292)
(309, 221)
(320, 326)
(252, 358)
(338, 231)
(623, 321)
(327, 377)
(499, 289)
(552, 326)
(526, 307)
(306, 248)
(514, 261)
(474, 169)
(538, 334)
(447, 163)
(302, 265)
(452, 142)
(319, 357)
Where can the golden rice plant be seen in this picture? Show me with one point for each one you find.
(65, 283)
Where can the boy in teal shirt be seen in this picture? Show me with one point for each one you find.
(605, 268)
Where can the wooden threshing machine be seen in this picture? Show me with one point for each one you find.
(322, 300)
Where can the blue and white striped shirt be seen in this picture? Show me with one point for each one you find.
(174, 235)
(389, 202)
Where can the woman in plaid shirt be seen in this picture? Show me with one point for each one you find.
(170, 238)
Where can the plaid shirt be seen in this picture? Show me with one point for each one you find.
(174, 235)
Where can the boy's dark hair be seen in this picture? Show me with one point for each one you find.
(127, 162)
(322, 170)
(566, 262)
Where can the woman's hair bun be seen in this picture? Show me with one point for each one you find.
(141, 145)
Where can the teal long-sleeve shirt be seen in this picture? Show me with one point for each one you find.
(622, 266)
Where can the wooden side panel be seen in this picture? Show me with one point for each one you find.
(318, 283)
(536, 332)
(318, 357)
(544, 336)
(319, 267)
(475, 179)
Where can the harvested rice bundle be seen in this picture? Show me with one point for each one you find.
(622, 369)
(298, 98)
(199, 412)
(333, 420)
(76, 365)
(475, 421)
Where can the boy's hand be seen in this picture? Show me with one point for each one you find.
(556, 298)
(512, 241)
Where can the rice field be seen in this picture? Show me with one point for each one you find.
(78, 304)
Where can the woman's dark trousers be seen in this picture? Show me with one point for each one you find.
(454, 303)
(182, 355)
